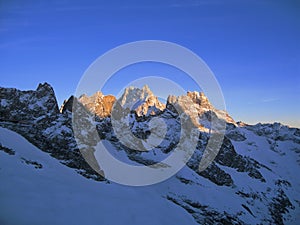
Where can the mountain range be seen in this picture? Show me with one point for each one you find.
(46, 179)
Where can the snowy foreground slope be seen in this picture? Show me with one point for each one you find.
(36, 189)
(45, 180)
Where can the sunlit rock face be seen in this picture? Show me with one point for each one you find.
(99, 104)
(200, 99)
(142, 101)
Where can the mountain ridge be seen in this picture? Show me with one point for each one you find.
(254, 167)
(142, 101)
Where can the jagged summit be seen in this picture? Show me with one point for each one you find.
(23, 106)
(132, 95)
(44, 87)
(200, 99)
(142, 101)
(67, 105)
(99, 104)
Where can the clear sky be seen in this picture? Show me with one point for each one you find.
(252, 47)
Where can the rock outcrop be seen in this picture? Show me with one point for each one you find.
(99, 104)
(141, 101)
(25, 106)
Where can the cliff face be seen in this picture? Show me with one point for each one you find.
(25, 106)
(35, 115)
(99, 104)
(200, 99)
(142, 101)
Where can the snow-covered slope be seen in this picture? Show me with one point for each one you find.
(36, 189)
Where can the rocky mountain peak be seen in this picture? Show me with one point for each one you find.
(133, 95)
(45, 90)
(200, 99)
(29, 105)
(93, 99)
(67, 105)
(142, 101)
(198, 102)
(44, 87)
(99, 104)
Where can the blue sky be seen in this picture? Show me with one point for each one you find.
(251, 46)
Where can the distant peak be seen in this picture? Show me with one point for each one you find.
(94, 96)
(67, 104)
(43, 86)
(97, 94)
(146, 88)
(141, 100)
(200, 99)
(99, 104)
(132, 95)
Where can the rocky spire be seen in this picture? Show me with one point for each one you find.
(142, 101)
(200, 99)
(67, 105)
(99, 104)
